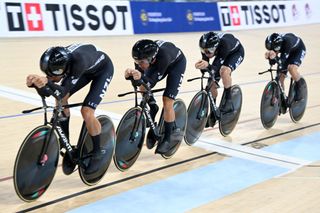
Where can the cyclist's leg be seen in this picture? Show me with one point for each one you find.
(282, 77)
(174, 80)
(98, 88)
(83, 81)
(294, 62)
(293, 70)
(169, 117)
(229, 65)
(214, 91)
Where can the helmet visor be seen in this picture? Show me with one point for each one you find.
(57, 72)
(277, 48)
(208, 51)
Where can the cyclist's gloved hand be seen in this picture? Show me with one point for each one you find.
(135, 83)
(203, 71)
(272, 61)
(44, 91)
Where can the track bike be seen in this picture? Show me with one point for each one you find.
(275, 102)
(198, 110)
(38, 156)
(132, 127)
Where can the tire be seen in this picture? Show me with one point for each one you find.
(297, 108)
(228, 121)
(127, 151)
(107, 140)
(181, 122)
(31, 179)
(270, 105)
(197, 117)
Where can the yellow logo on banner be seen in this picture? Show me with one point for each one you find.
(189, 16)
(144, 17)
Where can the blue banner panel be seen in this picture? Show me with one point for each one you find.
(164, 17)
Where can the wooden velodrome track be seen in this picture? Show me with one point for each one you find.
(294, 191)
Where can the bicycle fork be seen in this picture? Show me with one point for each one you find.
(283, 99)
(216, 110)
(43, 158)
(64, 140)
(153, 125)
(134, 132)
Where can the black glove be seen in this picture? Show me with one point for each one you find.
(272, 61)
(136, 83)
(44, 91)
(203, 71)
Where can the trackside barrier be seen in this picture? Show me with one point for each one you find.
(266, 14)
(34, 18)
(164, 17)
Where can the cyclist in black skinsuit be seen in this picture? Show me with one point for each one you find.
(76, 66)
(292, 51)
(228, 54)
(154, 61)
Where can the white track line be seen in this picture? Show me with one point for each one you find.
(34, 99)
(246, 152)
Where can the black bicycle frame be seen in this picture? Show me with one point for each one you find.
(145, 98)
(55, 127)
(213, 105)
(284, 98)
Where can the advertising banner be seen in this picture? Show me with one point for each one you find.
(163, 17)
(266, 14)
(303, 12)
(26, 18)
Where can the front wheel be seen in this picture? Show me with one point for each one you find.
(130, 137)
(228, 121)
(107, 140)
(197, 117)
(270, 104)
(297, 108)
(180, 122)
(32, 179)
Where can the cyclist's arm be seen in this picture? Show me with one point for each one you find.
(156, 71)
(58, 91)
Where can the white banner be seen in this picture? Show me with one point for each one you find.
(28, 18)
(266, 14)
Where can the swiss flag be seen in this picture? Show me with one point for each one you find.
(235, 15)
(34, 17)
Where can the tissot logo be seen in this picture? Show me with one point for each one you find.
(34, 17)
(235, 15)
(38, 16)
(15, 16)
(252, 14)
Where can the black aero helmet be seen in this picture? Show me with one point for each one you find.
(54, 61)
(209, 40)
(274, 42)
(145, 49)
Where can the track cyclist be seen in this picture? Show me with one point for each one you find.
(68, 69)
(155, 61)
(288, 51)
(228, 53)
